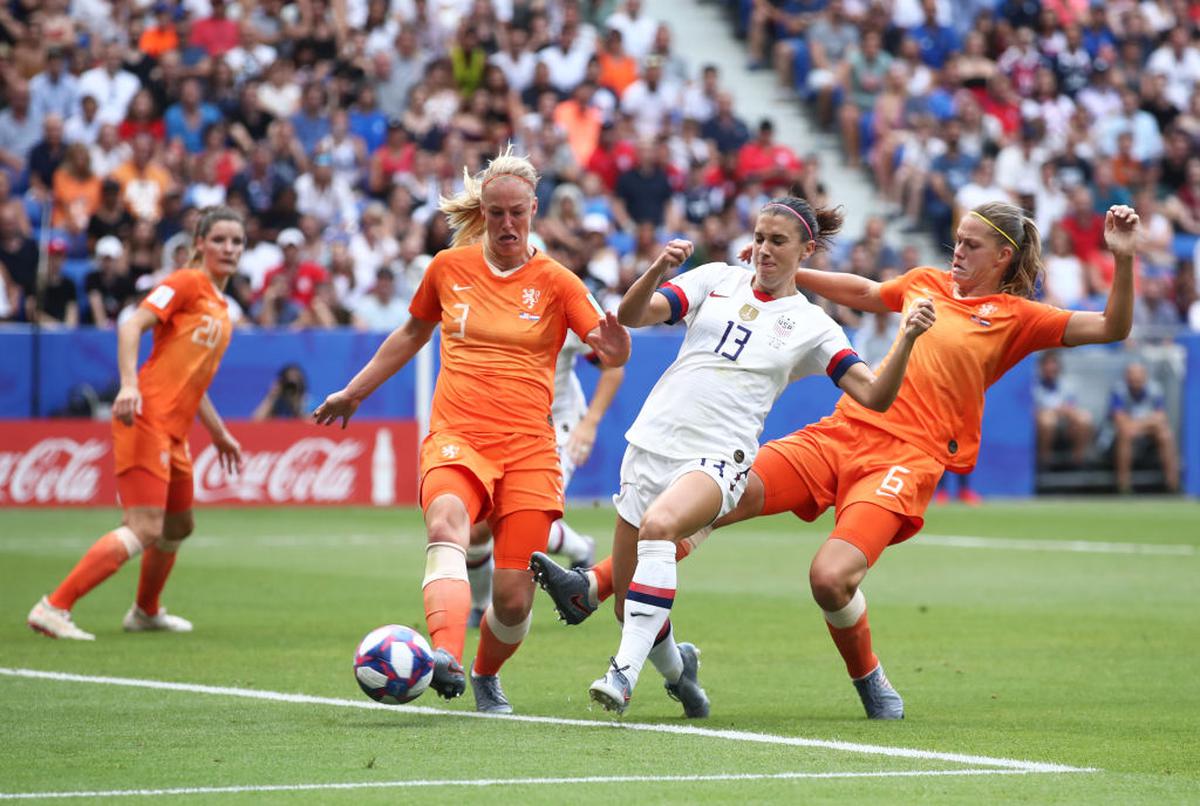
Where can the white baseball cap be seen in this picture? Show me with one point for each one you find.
(109, 246)
(290, 237)
(595, 222)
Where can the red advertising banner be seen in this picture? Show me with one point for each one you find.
(286, 463)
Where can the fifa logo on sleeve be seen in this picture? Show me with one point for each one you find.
(530, 297)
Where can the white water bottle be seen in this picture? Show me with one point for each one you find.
(383, 470)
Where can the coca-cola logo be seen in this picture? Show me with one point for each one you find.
(311, 469)
(58, 470)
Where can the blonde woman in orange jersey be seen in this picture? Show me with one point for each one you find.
(879, 469)
(504, 309)
(152, 415)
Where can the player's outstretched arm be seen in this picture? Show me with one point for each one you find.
(1089, 327)
(610, 341)
(128, 402)
(844, 288)
(583, 435)
(396, 351)
(879, 391)
(641, 306)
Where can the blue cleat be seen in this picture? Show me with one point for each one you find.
(880, 700)
(687, 691)
(448, 681)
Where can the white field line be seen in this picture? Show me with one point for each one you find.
(680, 730)
(592, 779)
(404, 538)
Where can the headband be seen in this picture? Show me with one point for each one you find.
(796, 214)
(514, 176)
(988, 221)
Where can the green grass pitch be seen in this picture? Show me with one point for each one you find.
(1007, 640)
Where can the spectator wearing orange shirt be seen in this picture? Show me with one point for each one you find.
(581, 121)
(160, 37)
(617, 68)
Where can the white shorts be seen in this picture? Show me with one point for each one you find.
(562, 435)
(645, 475)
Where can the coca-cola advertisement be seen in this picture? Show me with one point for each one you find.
(70, 463)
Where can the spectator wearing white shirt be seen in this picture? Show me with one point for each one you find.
(515, 60)
(326, 197)
(381, 309)
(54, 90)
(981, 189)
(1019, 164)
(111, 84)
(1147, 139)
(637, 30)
(251, 57)
(650, 99)
(699, 98)
(20, 131)
(84, 125)
(372, 247)
(567, 59)
(1179, 60)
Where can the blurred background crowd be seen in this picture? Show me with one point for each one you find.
(335, 125)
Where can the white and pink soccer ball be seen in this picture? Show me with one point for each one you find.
(393, 665)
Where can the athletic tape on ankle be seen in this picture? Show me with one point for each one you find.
(444, 561)
(504, 633)
(656, 549)
(129, 540)
(699, 537)
(849, 615)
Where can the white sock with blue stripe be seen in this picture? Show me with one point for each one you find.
(647, 605)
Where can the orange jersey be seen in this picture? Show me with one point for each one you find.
(191, 336)
(974, 342)
(501, 336)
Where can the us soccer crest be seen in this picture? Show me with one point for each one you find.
(783, 327)
(748, 313)
(530, 297)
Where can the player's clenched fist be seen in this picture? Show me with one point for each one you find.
(674, 255)
(920, 318)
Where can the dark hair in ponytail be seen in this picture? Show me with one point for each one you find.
(208, 217)
(816, 224)
(1010, 227)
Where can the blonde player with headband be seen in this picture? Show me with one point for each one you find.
(749, 334)
(879, 469)
(504, 309)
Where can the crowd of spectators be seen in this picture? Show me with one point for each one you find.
(334, 126)
(1064, 107)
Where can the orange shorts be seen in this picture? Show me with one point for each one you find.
(516, 471)
(836, 462)
(154, 469)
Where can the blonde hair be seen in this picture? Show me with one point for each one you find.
(464, 210)
(1012, 228)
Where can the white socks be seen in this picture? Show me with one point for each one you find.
(665, 655)
(479, 573)
(647, 605)
(565, 540)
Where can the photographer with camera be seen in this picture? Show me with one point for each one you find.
(286, 398)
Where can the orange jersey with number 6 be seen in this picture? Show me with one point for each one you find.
(190, 338)
(501, 335)
(975, 341)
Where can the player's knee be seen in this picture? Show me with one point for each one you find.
(147, 527)
(657, 528)
(830, 588)
(179, 526)
(444, 530)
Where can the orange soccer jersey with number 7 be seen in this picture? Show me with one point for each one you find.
(501, 335)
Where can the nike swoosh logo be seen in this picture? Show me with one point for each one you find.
(640, 615)
(458, 287)
(715, 294)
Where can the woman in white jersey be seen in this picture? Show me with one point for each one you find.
(690, 450)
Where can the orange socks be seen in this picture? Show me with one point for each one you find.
(852, 634)
(99, 563)
(497, 642)
(447, 606)
(157, 563)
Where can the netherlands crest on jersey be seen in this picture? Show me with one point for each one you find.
(530, 297)
(748, 313)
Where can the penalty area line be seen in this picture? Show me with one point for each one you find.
(591, 779)
(647, 727)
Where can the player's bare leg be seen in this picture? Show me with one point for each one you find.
(147, 613)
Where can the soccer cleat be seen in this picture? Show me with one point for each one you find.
(878, 697)
(55, 622)
(687, 690)
(476, 617)
(489, 697)
(970, 498)
(568, 589)
(448, 678)
(613, 690)
(588, 558)
(138, 620)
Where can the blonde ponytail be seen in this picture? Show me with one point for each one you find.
(464, 210)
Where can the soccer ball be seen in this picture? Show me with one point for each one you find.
(394, 664)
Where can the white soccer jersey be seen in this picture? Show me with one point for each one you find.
(570, 404)
(741, 349)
